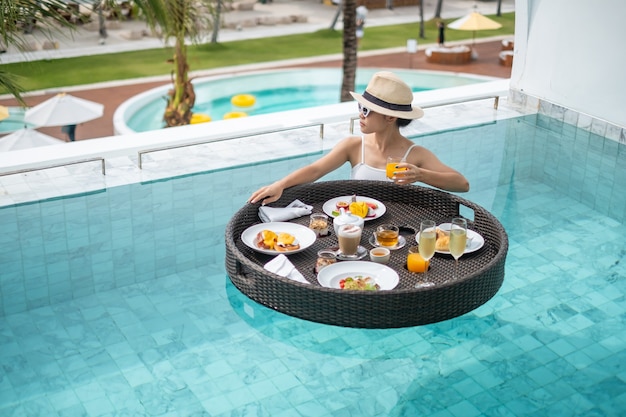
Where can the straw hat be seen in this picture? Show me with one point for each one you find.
(389, 95)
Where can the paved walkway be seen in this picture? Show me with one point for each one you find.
(320, 16)
(264, 20)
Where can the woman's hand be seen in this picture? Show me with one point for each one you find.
(266, 195)
(406, 173)
(446, 179)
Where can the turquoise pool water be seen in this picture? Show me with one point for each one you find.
(274, 91)
(116, 303)
(14, 122)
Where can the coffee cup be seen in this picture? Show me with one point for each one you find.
(349, 237)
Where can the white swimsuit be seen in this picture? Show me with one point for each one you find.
(362, 171)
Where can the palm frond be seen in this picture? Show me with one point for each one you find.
(11, 84)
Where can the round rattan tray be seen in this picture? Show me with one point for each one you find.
(478, 278)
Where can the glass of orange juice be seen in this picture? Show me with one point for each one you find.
(415, 262)
(392, 162)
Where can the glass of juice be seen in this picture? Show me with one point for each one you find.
(392, 162)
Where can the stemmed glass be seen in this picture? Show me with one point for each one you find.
(427, 240)
(458, 240)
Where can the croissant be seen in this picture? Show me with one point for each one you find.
(443, 241)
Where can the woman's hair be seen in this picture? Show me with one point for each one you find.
(403, 122)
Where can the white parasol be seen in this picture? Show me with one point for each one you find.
(474, 21)
(26, 138)
(62, 110)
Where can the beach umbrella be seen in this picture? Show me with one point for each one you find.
(25, 139)
(62, 110)
(4, 112)
(474, 21)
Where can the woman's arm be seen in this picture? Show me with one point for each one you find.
(338, 156)
(425, 167)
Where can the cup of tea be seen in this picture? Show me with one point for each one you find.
(392, 162)
(319, 224)
(387, 235)
(349, 237)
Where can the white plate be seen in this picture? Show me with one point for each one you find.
(331, 206)
(384, 276)
(306, 237)
(474, 241)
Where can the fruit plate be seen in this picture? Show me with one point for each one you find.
(330, 207)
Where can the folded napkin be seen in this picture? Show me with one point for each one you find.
(280, 214)
(280, 265)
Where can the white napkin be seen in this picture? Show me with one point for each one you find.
(282, 266)
(277, 214)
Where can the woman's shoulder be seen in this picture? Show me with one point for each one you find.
(415, 152)
(350, 140)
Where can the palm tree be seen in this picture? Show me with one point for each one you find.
(178, 20)
(438, 9)
(422, 36)
(18, 18)
(349, 50)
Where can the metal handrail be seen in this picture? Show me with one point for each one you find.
(203, 142)
(465, 100)
(82, 161)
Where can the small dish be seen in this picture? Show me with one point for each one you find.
(380, 255)
(401, 243)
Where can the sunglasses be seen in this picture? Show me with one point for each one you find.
(364, 110)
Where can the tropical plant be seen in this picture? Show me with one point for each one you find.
(18, 19)
(178, 20)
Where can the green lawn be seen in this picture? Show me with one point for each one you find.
(91, 69)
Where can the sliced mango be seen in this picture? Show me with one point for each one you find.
(359, 208)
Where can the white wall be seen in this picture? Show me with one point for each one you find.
(573, 53)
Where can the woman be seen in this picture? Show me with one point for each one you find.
(384, 108)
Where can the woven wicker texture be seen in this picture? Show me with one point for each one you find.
(478, 278)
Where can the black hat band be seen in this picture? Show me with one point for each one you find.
(385, 104)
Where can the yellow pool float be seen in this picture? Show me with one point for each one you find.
(199, 118)
(243, 100)
(235, 114)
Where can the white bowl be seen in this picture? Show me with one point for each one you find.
(380, 255)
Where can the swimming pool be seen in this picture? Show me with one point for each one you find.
(126, 308)
(274, 91)
(14, 122)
